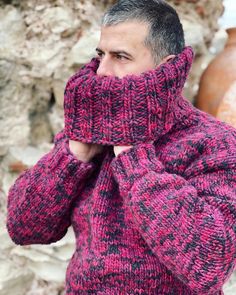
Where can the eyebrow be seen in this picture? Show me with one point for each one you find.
(115, 52)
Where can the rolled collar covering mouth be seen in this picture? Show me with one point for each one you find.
(127, 111)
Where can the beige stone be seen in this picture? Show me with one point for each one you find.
(84, 49)
(60, 20)
(56, 118)
(194, 35)
(15, 102)
(12, 33)
(14, 280)
(60, 77)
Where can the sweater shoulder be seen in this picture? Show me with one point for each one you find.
(206, 132)
(206, 144)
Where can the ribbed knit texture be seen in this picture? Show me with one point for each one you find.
(159, 219)
(123, 111)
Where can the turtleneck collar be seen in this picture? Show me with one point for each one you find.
(127, 111)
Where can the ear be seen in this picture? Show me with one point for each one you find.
(167, 58)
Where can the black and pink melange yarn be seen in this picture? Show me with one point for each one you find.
(160, 219)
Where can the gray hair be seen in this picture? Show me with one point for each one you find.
(165, 35)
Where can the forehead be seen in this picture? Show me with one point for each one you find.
(130, 35)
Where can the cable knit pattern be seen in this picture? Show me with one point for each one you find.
(159, 219)
(123, 111)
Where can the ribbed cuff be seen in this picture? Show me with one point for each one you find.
(134, 163)
(65, 162)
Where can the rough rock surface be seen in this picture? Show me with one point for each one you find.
(41, 44)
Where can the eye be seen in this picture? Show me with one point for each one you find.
(100, 54)
(121, 57)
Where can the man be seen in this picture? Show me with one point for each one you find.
(146, 180)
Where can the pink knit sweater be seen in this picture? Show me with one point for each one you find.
(159, 219)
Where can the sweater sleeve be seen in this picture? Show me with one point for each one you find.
(189, 224)
(39, 202)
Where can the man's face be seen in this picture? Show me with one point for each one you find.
(121, 50)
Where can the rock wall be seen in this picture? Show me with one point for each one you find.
(41, 44)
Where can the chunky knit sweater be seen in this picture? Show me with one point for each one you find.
(160, 218)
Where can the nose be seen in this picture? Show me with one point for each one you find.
(105, 68)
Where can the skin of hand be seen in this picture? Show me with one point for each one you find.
(120, 149)
(84, 151)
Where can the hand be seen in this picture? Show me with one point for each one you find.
(120, 149)
(84, 151)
